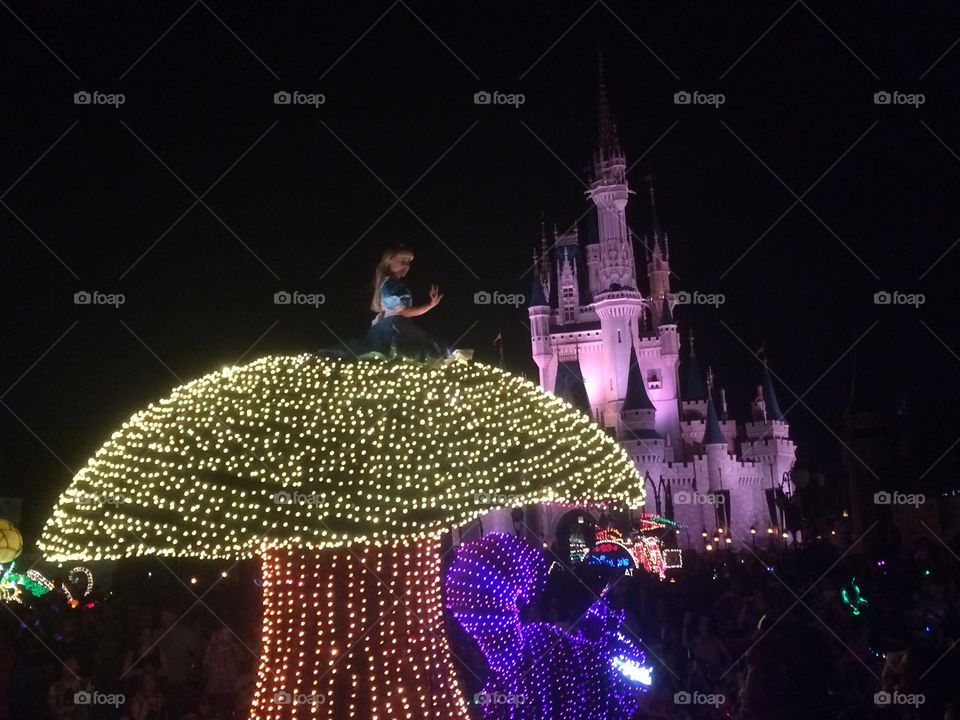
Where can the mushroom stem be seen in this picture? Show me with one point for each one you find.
(355, 632)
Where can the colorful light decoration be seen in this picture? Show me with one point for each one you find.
(341, 476)
(672, 558)
(540, 671)
(651, 557)
(12, 584)
(611, 553)
(851, 597)
(11, 542)
(73, 577)
(646, 551)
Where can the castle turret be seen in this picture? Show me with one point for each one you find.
(568, 277)
(609, 192)
(669, 337)
(637, 414)
(617, 301)
(658, 263)
(714, 447)
(768, 436)
(637, 431)
(539, 312)
(570, 385)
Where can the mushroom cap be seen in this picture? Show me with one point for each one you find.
(313, 452)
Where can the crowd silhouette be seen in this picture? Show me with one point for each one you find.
(760, 634)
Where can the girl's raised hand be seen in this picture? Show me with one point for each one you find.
(435, 296)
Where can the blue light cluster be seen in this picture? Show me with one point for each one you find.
(590, 673)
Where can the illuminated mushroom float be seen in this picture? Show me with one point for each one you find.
(341, 477)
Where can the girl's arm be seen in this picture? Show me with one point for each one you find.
(435, 298)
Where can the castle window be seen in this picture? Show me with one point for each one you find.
(568, 304)
(619, 337)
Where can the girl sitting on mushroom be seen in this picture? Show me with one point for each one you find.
(392, 330)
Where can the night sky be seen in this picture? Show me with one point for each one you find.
(97, 198)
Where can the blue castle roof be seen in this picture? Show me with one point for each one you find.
(712, 434)
(569, 385)
(637, 398)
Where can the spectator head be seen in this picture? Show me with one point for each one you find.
(68, 628)
(71, 668)
(148, 683)
(704, 625)
(146, 637)
(167, 617)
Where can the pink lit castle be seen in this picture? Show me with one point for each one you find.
(612, 346)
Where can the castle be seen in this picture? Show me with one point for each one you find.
(613, 348)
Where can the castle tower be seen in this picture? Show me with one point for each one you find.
(768, 436)
(609, 192)
(618, 303)
(539, 312)
(667, 373)
(715, 448)
(658, 263)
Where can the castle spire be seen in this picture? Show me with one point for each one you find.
(770, 396)
(653, 206)
(637, 397)
(712, 434)
(607, 143)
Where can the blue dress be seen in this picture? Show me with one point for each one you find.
(393, 334)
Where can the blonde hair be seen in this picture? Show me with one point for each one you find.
(383, 272)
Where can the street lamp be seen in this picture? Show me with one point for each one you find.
(753, 536)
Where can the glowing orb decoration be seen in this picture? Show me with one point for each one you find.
(341, 476)
(591, 673)
(11, 542)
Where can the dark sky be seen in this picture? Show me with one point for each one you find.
(298, 191)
